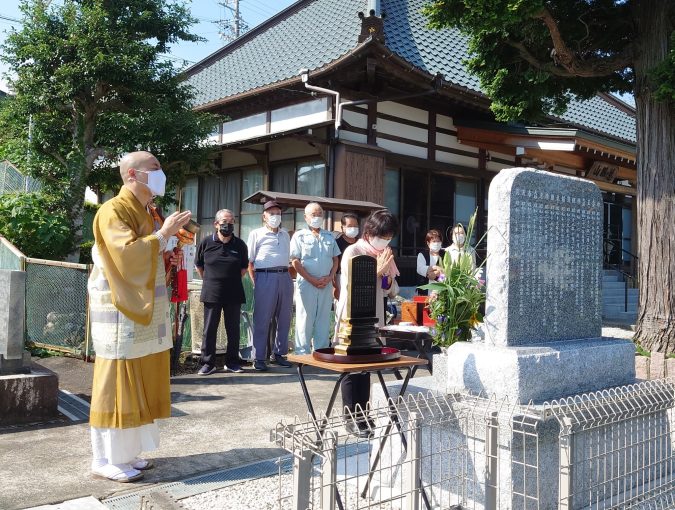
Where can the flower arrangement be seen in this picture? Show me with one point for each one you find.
(455, 298)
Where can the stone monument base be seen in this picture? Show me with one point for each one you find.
(26, 398)
(15, 366)
(537, 373)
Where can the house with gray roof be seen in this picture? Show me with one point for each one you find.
(360, 100)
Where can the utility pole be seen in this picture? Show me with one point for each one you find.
(233, 25)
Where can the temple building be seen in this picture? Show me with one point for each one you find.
(360, 100)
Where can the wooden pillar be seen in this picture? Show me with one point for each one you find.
(431, 149)
(481, 220)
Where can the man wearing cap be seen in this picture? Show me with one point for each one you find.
(314, 255)
(268, 255)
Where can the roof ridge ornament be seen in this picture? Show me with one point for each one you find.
(372, 26)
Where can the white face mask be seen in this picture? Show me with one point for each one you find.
(460, 238)
(274, 220)
(352, 232)
(379, 244)
(435, 246)
(315, 221)
(156, 182)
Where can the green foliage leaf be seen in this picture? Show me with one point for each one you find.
(91, 85)
(455, 301)
(513, 55)
(35, 223)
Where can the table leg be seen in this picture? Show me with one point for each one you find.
(395, 421)
(324, 424)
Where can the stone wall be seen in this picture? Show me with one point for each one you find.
(656, 366)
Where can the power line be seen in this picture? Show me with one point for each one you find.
(262, 7)
(7, 18)
(175, 58)
(232, 26)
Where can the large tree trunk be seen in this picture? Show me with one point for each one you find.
(656, 185)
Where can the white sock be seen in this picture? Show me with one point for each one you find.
(97, 463)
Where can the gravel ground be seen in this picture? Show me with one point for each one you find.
(618, 333)
(273, 493)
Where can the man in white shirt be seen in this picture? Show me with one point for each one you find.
(268, 255)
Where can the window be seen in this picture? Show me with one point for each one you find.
(441, 210)
(414, 211)
(432, 201)
(250, 218)
(392, 196)
(465, 201)
(303, 178)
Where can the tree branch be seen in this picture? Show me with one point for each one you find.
(569, 60)
(535, 62)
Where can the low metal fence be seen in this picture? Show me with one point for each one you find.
(612, 449)
(423, 452)
(617, 447)
(57, 306)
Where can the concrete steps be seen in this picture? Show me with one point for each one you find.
(614, 307)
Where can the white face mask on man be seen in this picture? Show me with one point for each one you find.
(156, 181)
(315, 221)
(274, 220)
(352, 232)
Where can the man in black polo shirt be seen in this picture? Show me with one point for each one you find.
(221, 261)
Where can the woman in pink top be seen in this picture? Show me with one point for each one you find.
(378, 231)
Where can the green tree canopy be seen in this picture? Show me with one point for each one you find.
(90, 85)
(533, 56)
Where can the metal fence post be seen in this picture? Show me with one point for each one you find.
(566, 461)
(329, 471)
(491, 460)
(302, 477)
(87, 323)
(412, 484)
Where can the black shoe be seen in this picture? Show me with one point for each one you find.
(281, 361)
(260, 365)
(358, 428)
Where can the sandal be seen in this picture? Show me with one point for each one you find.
(142, 464)
(122, 473)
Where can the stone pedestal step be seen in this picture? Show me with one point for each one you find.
(88, 503)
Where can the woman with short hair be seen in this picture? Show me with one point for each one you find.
(378, 231)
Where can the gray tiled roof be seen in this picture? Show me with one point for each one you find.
(599, 115)
(320, 31)
(433, 51)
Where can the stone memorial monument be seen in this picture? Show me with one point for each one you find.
(25, 395)
(541, 338)
(357, 333)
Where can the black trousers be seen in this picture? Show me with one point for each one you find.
(355, 390)
(232, 315)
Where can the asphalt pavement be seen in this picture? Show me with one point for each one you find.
(218, 421)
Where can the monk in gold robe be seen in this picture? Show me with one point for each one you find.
(129, 314)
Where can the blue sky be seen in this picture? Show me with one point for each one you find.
(253, 12)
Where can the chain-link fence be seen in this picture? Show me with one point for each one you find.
(11, 180)
(56, 305)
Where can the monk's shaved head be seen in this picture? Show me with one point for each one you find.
(138, 160)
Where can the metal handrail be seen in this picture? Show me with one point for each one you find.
(619, 268)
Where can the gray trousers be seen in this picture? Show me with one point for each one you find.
(273, 296)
